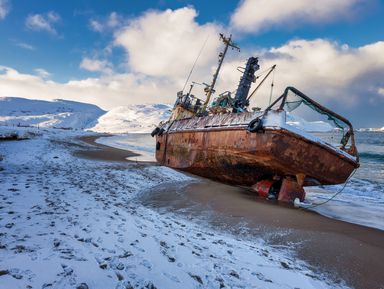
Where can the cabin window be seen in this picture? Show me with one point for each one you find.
(158, 145)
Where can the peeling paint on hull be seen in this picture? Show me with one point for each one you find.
(233, 155)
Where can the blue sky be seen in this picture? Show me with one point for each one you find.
(99, 51)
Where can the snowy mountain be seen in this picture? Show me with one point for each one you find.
(142, 118)
(16, 111)
(374, 129)
(132, 118)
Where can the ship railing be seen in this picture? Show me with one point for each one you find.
(285, 102)
(189, 102)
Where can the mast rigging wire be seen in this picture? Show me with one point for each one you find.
(272, 85)
(193, 66)
(331, 198)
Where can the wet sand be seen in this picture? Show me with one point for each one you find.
(103, 152)
(342, 250)
(351, 252)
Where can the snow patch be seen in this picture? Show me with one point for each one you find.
(16, 111)
(141, 118)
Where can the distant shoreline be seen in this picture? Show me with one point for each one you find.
(103, 152)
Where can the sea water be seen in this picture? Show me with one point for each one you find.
(360, 200)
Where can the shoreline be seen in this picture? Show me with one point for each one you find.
(107, 153)
(103, 152)
(349, 251)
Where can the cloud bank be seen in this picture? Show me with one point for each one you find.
(255, 15)
(166, 43)
(96, 65)
(161, 46)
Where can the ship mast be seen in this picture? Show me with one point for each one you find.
(228, 43)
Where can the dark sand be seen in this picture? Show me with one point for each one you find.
(103, 152)
(351, 252)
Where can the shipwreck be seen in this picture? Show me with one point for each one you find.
(226, 141)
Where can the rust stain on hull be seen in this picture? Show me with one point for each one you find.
(234, 155)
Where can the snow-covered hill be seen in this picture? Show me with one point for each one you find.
(375, 129)
(133, 118)
(16, 111)
(142, 118)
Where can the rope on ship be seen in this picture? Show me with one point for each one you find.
(335, 195)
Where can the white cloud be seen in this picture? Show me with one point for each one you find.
(108, 91)
(166, 43)
(53, 16)
(42, 73)
(43, 22)
(4, 8)
(325, 70)
(321, 69)
(254, 15)
(96, 25)
(96, 65)
(327, 67)
(25, 45)
(161, 47)
(113, 20)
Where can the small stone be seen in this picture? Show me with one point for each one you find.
(150, 286)
(4, 272)
(171, 259)
(234, 274)
(285, 265)
(17, 276)
(119, 276)
(197, 278)
(82, 286)
(126, 254)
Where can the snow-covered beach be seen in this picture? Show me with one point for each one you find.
(67, 221)
(87, 210)
(72, 222)
(191, 144)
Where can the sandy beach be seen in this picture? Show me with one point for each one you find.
(343, 250)
(103, 152)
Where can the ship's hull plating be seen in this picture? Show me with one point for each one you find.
(236, 156)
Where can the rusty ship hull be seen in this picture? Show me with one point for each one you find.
(226, 141)
(221, 148)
